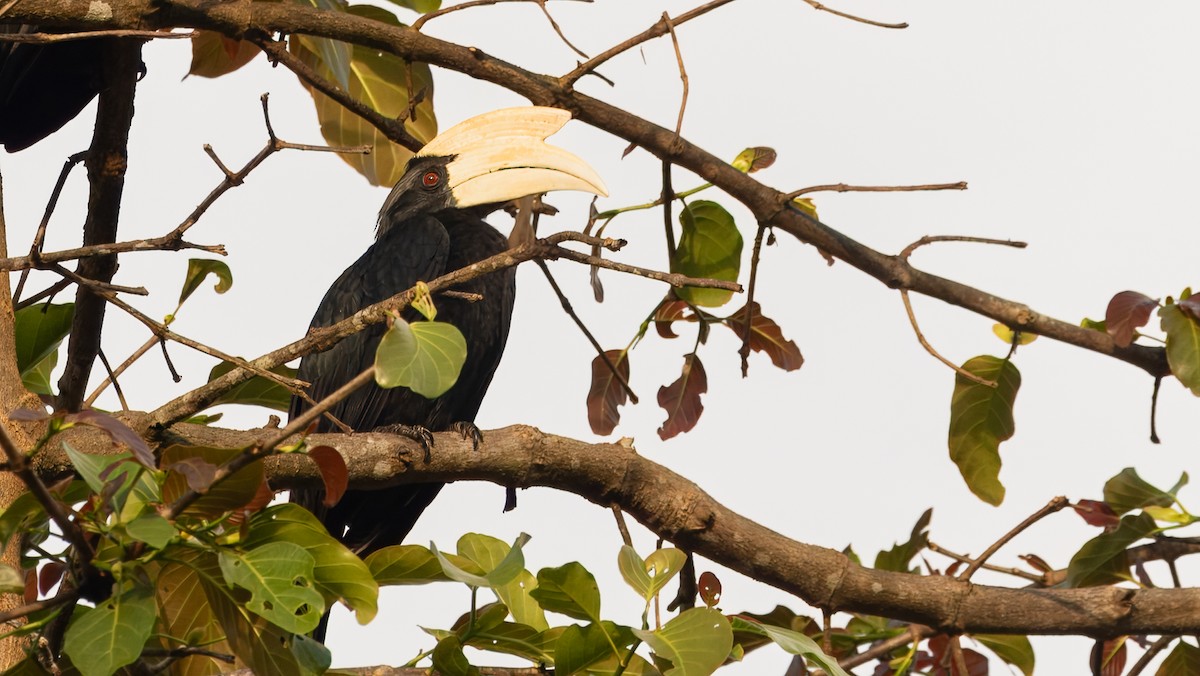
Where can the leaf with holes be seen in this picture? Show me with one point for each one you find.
(1102, 560)
(607, 393)
(648, 577)
(381, 81)
(681, 399)
(279, 577)
(1127, 312)
(766, 336)
(425, 357)
(113, 633)
(334, 474)
(980, 418)
(39, 329)
(709, 587)
(697, 641)
(214, 55)
(257, 391)
(710, 246)
(1183, 345)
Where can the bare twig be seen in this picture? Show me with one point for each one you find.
(928, 239)
(38, 606)
(113, 374)
(475, 3)
(40, 236)
(44, 38)
(566, 306)
(744, 350)
(912, 319)
(1016, 572)
(166, 243)
(554, 25)
(45, 293)
(112, 377)
(1151, 652)
(843, 187)
(621, 526)
(682, 76)
(820, 7)
(915, 634)
(1055, 504)
(659, 29)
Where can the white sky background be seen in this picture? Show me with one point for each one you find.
(1073, 122)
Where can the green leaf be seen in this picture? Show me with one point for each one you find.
(1127, 491)
(39, 329)
(754, 159)
(580, 647)
(511, 638)
(422, 6)
(113, 633)
(11, 580)
(449, 660)
(696, 642)
(569, 589)
(1009, 337)
(1015, 650)
(37, 379)
(504, 572)
(492, 554)
(214, 55)
(1168, 515)
(335, 54)
(1102, 560)
(338, 573)
(198, 270)
(184, 611)
(96, 468)
(650, 576)
(792, 642)
(152, 529)
(405, 564)
(425, 357)
(25, 514)
(709, 246)
(1184, 659)
(257, 391)
(381, 81)
(898, 557)
(1183, 345)
(235, 492)
(279, 577)
(980, 418)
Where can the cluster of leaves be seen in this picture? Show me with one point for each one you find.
(709, 246)
(393, 87)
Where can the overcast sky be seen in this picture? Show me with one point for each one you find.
(1073, 122)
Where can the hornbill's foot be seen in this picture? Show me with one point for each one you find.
(468, 430)
(415, 432)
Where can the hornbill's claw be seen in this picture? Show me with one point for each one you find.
(417, 433)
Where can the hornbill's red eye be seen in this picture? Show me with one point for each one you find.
(431, 179)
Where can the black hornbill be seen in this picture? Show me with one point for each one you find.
(432, 223)
(44, 86)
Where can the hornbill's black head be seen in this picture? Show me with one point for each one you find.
(488, 159)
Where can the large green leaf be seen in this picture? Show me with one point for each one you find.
(37, 378)
(1184, 659)
(1183, 345)
(184, 611)
(511, 638)
(425, 357)
(279, 577)
(709, 246)
(793, 642)
(579, 647)
(897, 558)
(490, 554)
(257, 391)
(1103, 560)
(696, 642)
(381, 81)
(338, 572)
(1127, 491)
(449, 660)
(1015, 650)
(405, 564)
(649, 576)
(569, 589)
(188, 466)
(505, 571)
(39, 329)
(113, 633)
(980, 418)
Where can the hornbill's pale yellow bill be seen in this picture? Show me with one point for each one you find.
(503, 155)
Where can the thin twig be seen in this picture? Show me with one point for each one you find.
(933, 239)
(467, 5)
(621, 526)
(116, 373)
(843, 187)
(820, 7)
(915, 634)
(659, 29)
(554, 25)
(45, 293)
(112, 377)
(43, 38)
(40, 236)
(1055, 504)
(682, 74)
(165, 243)
(1015, 572)
(744, 350)
(566, 306)
(1151, 652)
(912, 319)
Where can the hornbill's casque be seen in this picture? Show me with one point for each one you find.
(432, 223)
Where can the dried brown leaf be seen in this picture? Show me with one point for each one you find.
(606, 392)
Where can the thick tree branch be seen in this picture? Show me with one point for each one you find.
(679, 511)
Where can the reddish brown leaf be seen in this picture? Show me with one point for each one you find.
(1127, 311)
(214, 54)
(953, 569)
(606, 393)
(766, 336)
(667, 314)
(1191, 307)
(710, 589)
(31, 586)
(333, 472)
(681, 399)
(1097, 513)
(49, 576)
(1112, 656)
(944, 664)
(118, 431)
(27, 415)
(261, 499)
